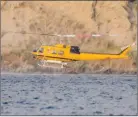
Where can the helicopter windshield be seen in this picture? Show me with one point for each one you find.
(41, 50)
(35, 50)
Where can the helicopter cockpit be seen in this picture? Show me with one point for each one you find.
(75, 49)
(35, 50)
(41, 50)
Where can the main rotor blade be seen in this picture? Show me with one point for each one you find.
(68, 35)
(64, 35)
(85, 35)
(30, 33)
(99, 35)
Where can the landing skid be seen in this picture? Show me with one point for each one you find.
(51, 64)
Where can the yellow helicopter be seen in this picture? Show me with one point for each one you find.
(63, 54)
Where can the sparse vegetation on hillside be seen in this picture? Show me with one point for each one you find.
(68, 18)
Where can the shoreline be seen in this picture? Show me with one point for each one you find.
(43, 73)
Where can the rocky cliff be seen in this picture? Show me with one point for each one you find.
(67, 17)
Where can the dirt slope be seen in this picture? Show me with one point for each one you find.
(110, 17)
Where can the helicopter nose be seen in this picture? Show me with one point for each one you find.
(34, 54)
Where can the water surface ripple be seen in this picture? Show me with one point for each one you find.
(68, 94)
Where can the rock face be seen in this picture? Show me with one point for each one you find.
(70, 17)
(116, 17)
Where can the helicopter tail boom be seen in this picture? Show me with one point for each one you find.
(100, 56)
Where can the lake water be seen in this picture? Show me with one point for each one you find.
(41, 94)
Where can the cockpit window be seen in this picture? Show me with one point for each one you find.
(41, 50)
(75, 49)
(35, 50)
